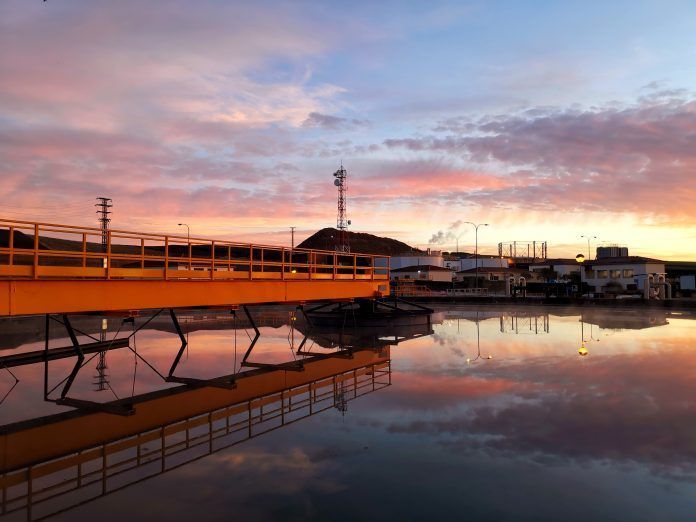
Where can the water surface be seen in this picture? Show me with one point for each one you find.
(485, 414)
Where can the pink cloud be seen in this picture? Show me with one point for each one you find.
(637, 158)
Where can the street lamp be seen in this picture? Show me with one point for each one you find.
(188, 231)
(582, 351)
(476, 227)
(589, 238)
(478, 344)
(188, 240)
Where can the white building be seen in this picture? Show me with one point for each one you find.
(422, 273)
(620, 273)
(468, 263)
(562, 267)
(493, 274)
(430, 258)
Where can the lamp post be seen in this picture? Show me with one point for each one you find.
(188, 240)
(478, 343)
(582, 351)
(476, 227)
(292, 243)
(589, 238)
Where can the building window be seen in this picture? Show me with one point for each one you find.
(602, 274)
(628, 272)
(589, 274)
(615, 274)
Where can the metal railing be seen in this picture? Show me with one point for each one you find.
(31, 250)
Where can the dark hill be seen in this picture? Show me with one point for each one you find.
(325, 239)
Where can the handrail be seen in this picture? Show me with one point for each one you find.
(185, 239)
(203, 258)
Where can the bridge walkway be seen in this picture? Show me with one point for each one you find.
(53, 268)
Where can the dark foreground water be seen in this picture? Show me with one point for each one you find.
(487, 414)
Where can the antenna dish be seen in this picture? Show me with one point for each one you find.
(337, 182)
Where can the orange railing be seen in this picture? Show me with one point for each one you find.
(43, 250)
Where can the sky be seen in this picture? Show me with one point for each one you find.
(547, 120)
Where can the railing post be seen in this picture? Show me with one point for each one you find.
(335, 267)
(11, 246)
(212, 260)
(282, 263)
(108, 254)
(142, 254)
(84, 250)
(36, 251)
(166, 257)
(251, 261)
(262, 268)
(355, 266)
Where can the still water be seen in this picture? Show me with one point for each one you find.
(483, 414)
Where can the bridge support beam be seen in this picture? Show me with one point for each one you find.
(64, 296)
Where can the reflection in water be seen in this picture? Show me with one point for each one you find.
(115, 443)
(457, 434)
(71, 455)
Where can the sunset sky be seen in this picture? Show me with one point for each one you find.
(547, 120)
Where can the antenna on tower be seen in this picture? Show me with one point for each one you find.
(341, 182)
(103, 210)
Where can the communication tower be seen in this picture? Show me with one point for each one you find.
(341, 181)
(103, 210)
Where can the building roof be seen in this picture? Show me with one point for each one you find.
(623, 260)
(492, 270)
(557, 261)
(422, 268)
(420, 253)
(482, 256)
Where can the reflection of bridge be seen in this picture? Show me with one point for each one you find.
(46, 268)
(71, 458)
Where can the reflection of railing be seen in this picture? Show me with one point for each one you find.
(115, 465)
(456, 292)
(42, 250)
(410, 290)
(510, 322)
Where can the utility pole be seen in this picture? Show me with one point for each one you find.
(476, 227)
(104, 206)
(292, 244)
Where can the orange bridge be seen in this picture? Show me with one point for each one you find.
(50, 268)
